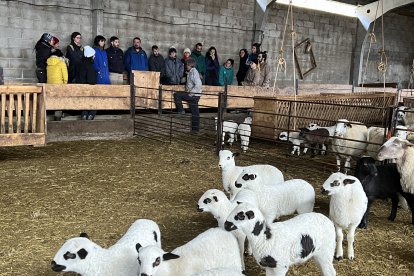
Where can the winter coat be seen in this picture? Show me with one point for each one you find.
(252, 78)
(115, 60)
(43, 52)
(75, 55)
(101, 66)
(200, 64)
(193, 84)
(212, 70)
(252, 57)
(226, 76)
(86, 72)
(157, 64)
(243, 68)
(134, 60)
(265, 74)
(174, 70)
(57, 72)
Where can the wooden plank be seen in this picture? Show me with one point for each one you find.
(26, 111)
(89, 103)
(34, 113)
(86, 90)
(22, 139)
(8, 89)
(3, 114)
(41, 114)
(10, 112)
(19, 113)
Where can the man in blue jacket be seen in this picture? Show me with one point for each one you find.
(135, 58)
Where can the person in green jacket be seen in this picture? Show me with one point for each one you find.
(200, 61)
(226, 73)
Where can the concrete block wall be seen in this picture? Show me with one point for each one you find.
(332, 38)
(399, 50)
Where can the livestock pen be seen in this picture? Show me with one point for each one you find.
(53, 193)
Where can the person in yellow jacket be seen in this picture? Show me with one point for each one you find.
(57, 73)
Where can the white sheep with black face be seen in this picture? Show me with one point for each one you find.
(346, 208)
(274, 201)
(230, 172)
(83, 256)
(211, 249)
(277, 246)
(216, 202)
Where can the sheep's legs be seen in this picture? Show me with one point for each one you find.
(410, 201)
(325, 265)
(350, 238)
(339, 239)
(231, 139)
(241, 241)
(347, 164)
(338, 162)
(394, 207)
(364, 221)
(323, 151)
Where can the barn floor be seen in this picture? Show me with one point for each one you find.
(49, 194)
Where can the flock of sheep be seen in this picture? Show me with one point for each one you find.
(258, 197)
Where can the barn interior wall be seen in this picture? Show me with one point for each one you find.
(227, 25)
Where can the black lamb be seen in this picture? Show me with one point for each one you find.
(378, 181)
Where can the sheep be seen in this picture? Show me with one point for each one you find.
(375, 138)
(277, 246)
(378, 181)
(244, 131)
(295, 139)
(221, 271)
(229, 127)
(347, 206)
(349, 140)
(230, 172)
(83, 256)
(406, 115)
(316, 137)
(331, 129)
(403, 153)
(217, 203)
(211, 249)
(278, 200)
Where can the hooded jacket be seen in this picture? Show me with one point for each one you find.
(134, 60)
(43, 52)
(101, 66)
(200, 64)
(57, 72)
(174, 70)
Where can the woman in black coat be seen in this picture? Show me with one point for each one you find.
(243, 67)
(43, 50)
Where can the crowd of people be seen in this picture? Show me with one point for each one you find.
(106, 65)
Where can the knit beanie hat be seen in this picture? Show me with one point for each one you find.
(172, 49)
(187, 50)
(88, 51)
(46, 37)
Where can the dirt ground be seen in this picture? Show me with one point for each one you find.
(53, 193)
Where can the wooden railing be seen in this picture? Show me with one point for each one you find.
(22, 115)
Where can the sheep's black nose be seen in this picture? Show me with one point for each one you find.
(199, 209)
(143, 274)
(324, 192)
(56, 267)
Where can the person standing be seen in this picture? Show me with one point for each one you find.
(57, 73)
(186, 56)
(174, 68)
(243, 67)
(200, 61)
(265, 70)
(212, 67)
(226, 73)
(86, 74)
(74, 52)
(191, 95)
(135, 57)
(115, 61)
(101, 61)
(156, 63)
(254, 54)
(253, 75)
(43, 48)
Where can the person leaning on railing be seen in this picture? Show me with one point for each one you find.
(191, 95)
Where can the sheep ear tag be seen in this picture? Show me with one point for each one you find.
(348, 181)
(169, 256)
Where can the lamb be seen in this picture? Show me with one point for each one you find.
(347, 206)
(278, 200)
(229, 127)
(222, 271)
(349, 140)
(316, 137)
(378, 181)
(295, 139)
(331, 129)
(244, 131)
(211, 249)
(403, 153)
(230, 172)
(277, 246)
(217, 203)
(83, 256)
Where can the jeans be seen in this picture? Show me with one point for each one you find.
(88, 114)
(179, 97)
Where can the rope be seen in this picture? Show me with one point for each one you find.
(410, 84)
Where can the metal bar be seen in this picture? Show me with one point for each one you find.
(219, 136)
(160, 99)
